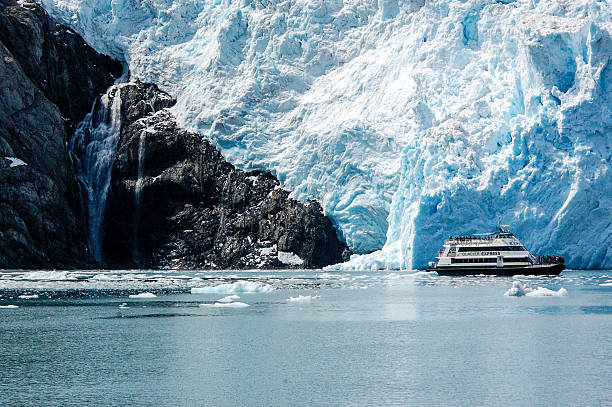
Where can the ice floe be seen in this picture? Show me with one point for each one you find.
(28, 296)
(47, 275)
(10, 306)
(226, 305)
(143, 295)
(519, 289)
(302, 298)
(241, 286)
(229, 298)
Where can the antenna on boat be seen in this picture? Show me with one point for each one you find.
(502, 228)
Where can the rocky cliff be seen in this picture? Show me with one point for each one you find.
(48, 79)
(174, 201)
(120, 184)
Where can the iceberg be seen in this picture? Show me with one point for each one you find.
(408, 121)
(519, 289)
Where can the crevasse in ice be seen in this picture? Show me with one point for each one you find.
(408, 120)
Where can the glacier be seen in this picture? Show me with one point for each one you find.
(408, 120)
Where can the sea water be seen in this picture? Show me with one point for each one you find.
(303, 338)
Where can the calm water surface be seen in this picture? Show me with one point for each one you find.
(352, 339)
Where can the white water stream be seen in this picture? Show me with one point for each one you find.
(137, 197)
(92, 151)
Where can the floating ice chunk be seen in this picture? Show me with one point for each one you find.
(606, 284)
(302, 298)
(519, 289)
(9, 306)
(143, 295)
(105, 277)
(47, 276)
(229, 298)
(289, 258)
(241, 286)
(124, 305)
(28, 296)
(411, 275)
(545, 292)
(226, 305)
(15, 162)
(182, 277)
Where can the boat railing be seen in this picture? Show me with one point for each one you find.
(479, 238)
(550, 260)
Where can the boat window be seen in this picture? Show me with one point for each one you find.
(516, 260)
(474, 260)
(489, 260)
(492, 249)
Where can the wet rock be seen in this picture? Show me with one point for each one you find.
(56, 59)
(175, 202)
(49, 78)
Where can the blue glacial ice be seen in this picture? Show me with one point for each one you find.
(408, 120)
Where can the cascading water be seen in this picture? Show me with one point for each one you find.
(137, 196)
(92, 151)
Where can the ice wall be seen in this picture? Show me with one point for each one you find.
(409, 120)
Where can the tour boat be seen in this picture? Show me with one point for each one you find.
(499, 253)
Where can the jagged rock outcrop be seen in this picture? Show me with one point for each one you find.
(49, 78)
(175, 202)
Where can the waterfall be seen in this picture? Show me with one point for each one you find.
(137, 197)
(92, 152)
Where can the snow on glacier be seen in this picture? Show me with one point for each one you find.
(408, 120)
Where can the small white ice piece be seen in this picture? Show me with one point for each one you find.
(229, 298)
(226, 305)
(143, 295)
(241, 286)
(28, 296)
(302, 298)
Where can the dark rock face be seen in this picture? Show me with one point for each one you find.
(175, 202)
(48, 80)
(56, 59)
